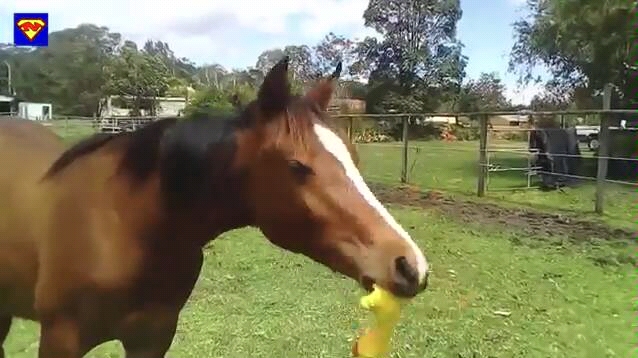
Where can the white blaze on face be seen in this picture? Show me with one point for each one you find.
(335, 146)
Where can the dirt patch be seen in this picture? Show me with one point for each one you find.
(532, 223)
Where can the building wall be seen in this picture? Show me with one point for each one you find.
(168, 107)
(171, 108)
(34, 111)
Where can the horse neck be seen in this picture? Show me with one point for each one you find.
(216, 207)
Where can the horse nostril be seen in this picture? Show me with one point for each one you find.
(406, 271)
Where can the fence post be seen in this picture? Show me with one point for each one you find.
(480, 191)
(603, 151)
(350, 129)
(404, 152)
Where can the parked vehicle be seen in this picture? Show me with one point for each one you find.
(589, 135)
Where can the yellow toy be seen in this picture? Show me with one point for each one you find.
(375, 341)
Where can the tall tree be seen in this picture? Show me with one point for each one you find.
(138, 78)
(69, 72)
(487, 93)
(418, 58)
(334, 49)
(180, 67)
(302, 66)
(267, 59)
(584, 43)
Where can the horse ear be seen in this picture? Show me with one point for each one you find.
(321, 93)
(274, 93)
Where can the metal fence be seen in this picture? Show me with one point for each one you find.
(410, 149)
(484, 160)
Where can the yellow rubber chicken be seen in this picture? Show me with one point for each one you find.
(375, 342)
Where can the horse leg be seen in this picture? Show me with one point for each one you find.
(60, 337)
(5, 326)
(149, 334)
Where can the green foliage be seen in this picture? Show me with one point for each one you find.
(209, 102)
(140, 75)
(371, 135)
(487, 93)
(418, 61)
(464, 133)
(69, 72)
(583, 43)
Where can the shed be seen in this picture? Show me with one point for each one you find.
(35, 111)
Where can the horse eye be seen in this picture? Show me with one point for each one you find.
(299, 169)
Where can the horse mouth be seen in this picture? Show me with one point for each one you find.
(367, 283)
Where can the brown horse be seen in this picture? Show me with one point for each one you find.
(104, 240)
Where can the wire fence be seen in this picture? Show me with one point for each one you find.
(489, 155)
(483, 154)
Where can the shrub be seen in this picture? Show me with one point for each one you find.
(465, 133)
(370, 135)
(209, 102)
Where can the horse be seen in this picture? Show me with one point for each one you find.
(104, 240)
(551, 145)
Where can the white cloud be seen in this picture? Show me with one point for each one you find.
(203, 29)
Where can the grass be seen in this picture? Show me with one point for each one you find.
(452, 167)
(257, 301)
(254, 300)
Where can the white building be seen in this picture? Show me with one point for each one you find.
(167, 107)
(35, 111)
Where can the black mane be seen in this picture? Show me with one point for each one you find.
(186, 152)
(193, 156)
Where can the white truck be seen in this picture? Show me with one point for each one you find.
(589, 134)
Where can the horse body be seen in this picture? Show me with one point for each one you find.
(59, 255)
(23, 210)
(104, 240)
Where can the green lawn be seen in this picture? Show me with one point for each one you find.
(453, 167)
(565, 299)
(253, 300)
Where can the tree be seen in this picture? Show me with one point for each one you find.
(214, 75)
(584, 43)
(209, 102)
(418, 61)
(487, 93)
(302, 67)
(334, 49)
(141, 76)
(267, 59)
(180, 68)
(69, 72)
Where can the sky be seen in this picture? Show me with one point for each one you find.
(234, 33)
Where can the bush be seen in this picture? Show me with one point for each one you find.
(209, 102)
(465, 133)
(370, 135)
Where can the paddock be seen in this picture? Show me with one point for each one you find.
(507, 280)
